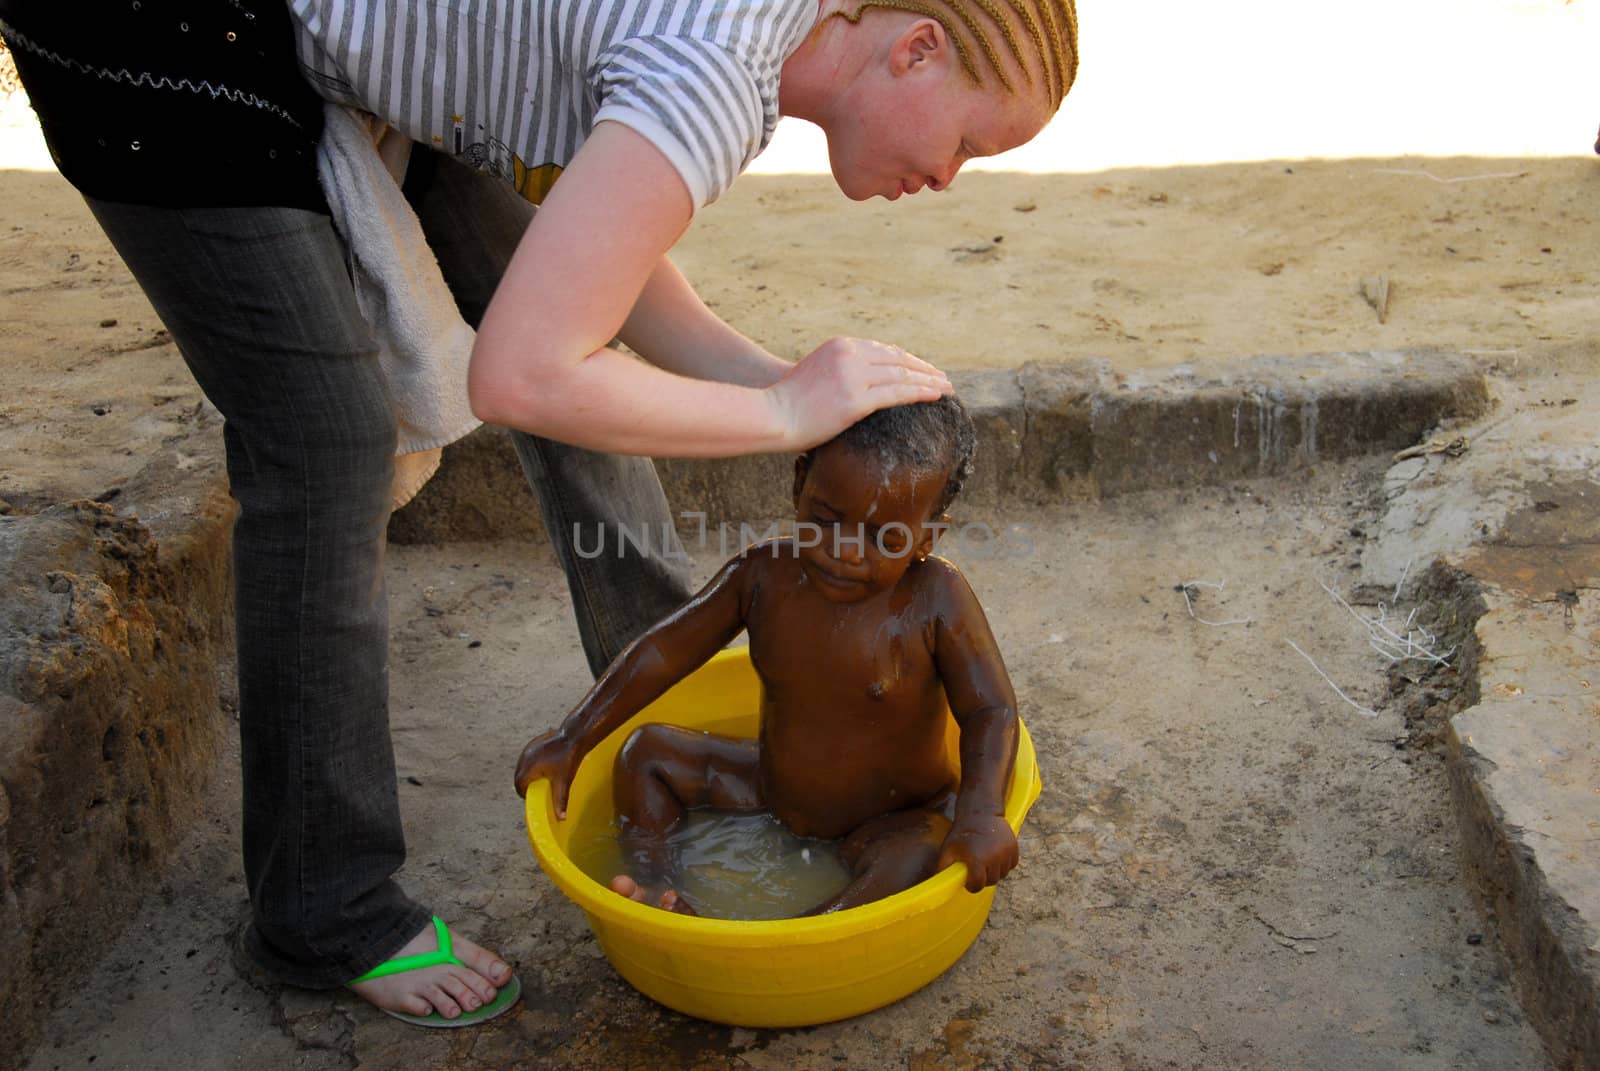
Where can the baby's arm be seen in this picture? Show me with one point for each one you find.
(666, 653)
(985, 708)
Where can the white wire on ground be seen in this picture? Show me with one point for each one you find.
(1363, 711)
(1415, 645)
(1446, 181)
(1217, 584)
(1394, 600)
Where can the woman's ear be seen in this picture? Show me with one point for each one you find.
(920, 44)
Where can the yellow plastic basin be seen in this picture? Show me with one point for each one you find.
(790, 972)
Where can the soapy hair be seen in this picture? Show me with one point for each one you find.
(1046, 30)
(922, 436)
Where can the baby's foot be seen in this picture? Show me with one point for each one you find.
(666, 900)
(447, 989)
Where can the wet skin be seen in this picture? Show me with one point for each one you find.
(859, 637)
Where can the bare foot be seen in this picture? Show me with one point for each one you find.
(666, 900)
(446, 989)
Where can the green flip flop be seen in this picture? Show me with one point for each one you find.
(505, 995)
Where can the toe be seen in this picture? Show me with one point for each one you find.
(476, 982)
(412, 1004)
(442, 1002)
(491, 969)
(462, 992)
(626, 886)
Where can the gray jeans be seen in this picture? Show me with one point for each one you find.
(260, 304)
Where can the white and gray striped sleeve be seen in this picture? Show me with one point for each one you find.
(694, 100)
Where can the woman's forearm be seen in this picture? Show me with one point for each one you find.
(616, 403)
(594, 252)
(673, 329)
(542, 362)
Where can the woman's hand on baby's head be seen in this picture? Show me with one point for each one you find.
(842, 381)
(549, 755)
(986, 844)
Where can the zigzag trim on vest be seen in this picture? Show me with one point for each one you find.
(145, 79)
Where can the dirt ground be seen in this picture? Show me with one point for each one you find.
(1491, 256)
(1229, 867)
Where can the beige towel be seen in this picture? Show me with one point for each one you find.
(423, 343)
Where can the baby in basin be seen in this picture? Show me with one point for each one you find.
(859, 636)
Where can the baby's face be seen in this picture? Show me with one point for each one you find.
(860, 528)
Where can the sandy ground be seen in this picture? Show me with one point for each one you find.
(1144, 268)
(1229, 867)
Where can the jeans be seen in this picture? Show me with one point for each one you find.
(259, 302)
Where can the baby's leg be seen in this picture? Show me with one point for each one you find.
(662, 772)
(889, 854)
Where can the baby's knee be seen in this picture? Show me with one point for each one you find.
(906, 845)
(899, 866)
(644, 749)
(635, 750)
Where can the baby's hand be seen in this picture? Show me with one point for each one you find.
(986, 843)
(553, 756)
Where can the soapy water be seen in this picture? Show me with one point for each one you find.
(729, 866)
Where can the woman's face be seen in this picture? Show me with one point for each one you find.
(911, 122)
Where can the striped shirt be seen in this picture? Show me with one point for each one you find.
(513, 87)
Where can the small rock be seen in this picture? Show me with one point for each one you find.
(1474, 938)
(109, 322)
(1491, 1016)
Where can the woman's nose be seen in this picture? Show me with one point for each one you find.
(945, 178)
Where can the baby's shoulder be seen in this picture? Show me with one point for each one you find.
(940, 587)
(768, 561)
(934, 573)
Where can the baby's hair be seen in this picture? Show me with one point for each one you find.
(1050, 26)
(921, 436)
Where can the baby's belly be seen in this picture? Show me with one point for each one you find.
(822, 789)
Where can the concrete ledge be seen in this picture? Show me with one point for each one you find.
(1550, 941)
(1273, 415)
(112, 634)
(1516, 519)
(1522, 765)
(1070, 429)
